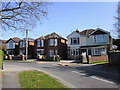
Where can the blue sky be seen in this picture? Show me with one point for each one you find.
(65, 17)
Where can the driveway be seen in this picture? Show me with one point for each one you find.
(73, 76)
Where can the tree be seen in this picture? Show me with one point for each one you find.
(21, 15)
(117, 24)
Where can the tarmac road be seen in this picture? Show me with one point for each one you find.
(77, 76)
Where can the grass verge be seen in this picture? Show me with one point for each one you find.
(9, 60)
(100, 62)
(36, 79)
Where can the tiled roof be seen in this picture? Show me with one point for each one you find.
(16, 39)
(52, 35)
(87, 32)
(42, 37)
(4, 41)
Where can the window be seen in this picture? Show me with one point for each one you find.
(38, 43)
(56, 52)
(40, 51)
(11, 45)
(22, 43)
(75, 40)
(51, 52)
(22, 51)
(75, 52)
(53, 42)
(98, 51)
(99, 38)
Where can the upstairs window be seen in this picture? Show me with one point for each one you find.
(11, 45)
(53, 42)
(99, 38)
(22, 43)
(75, 40)
(40, 43)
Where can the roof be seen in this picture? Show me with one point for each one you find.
(29, 39)
(4, 41)
(16, 39)
(87, 32)
(52, 35)
(42, 37)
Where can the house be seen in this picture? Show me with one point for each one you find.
(93, 44)
(12, 46)
(50, 45)
(22, 47)
(3, 45)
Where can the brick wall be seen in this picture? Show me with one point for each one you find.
(98, 58)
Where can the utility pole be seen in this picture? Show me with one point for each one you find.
(26, 44)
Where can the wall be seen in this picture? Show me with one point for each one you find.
(98, 58)
(114, 57)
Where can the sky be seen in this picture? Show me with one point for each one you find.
(65, 17)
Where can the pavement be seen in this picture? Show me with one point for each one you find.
(10, 76)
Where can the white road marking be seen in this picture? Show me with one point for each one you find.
(79, 73)
(94, 77)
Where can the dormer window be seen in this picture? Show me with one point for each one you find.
(75, 40)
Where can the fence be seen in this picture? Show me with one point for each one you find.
(114, 57)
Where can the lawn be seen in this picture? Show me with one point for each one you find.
(36, 79)
(100, 62)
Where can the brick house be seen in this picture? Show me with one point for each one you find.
(22, 47)
(12, 46)
(92, 44)
(50, 45)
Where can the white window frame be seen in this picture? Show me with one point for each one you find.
(75, 52)
(42, 43)
(11, 44)
(98, 51)
(99, 38)
(40, 50)
(75, 38)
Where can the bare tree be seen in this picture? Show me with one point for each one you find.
(20, 15)
(117, 24)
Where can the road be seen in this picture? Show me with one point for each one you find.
(77, 76)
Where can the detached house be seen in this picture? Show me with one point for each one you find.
(22, 47)
(50, 45)
(93, 44)
(12, 46)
